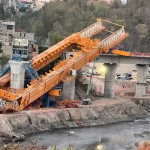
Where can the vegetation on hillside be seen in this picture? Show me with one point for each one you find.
(6, 12)
(4, 59)
(59, 19)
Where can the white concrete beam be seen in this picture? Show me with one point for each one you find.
(107, 58)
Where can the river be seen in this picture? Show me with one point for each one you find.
(121, 136)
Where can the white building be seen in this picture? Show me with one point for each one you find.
(24, 35)
(38, 4)
(20, 46)
(7, 27)
(7, 31)
(16, 42)
(32, 48)
(12, 3)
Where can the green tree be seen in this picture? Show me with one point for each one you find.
(4, 59)
(59, 19)
(2, 11)
(56, 37)
(101, 10)
(1, 46)
(120, 22)
(13, 11)
(42, 49)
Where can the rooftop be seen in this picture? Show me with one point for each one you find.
(7, 22)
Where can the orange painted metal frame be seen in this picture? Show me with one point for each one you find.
(55, 77)
(52, 53)
(88, 52)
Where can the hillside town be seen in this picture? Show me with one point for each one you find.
(36, 5)
(26, 4)
(20, 42)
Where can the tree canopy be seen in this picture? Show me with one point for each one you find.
(60, 18)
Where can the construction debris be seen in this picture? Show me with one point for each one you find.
(68, 104)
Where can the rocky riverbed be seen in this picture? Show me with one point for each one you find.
(119, 136)
(19, 125)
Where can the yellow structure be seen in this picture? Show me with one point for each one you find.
(87, 50)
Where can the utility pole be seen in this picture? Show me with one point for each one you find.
(87, 100)
(90, 83)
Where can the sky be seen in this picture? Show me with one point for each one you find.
(124, 2)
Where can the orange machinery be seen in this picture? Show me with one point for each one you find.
(88, 49)
(57, 50)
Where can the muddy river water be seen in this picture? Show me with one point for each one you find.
(121, 136)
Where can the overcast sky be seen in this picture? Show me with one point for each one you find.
(124, 2)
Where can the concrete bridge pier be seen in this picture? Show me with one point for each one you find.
(110, 79)
(69, 88)
(17, 73)
(141, 80)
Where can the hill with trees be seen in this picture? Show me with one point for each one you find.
(59, 19)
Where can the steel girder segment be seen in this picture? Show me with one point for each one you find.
(56, 51)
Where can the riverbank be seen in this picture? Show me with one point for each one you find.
(16, 126)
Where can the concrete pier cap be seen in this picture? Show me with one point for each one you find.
(17, 73)
(141, 80)
(110, 79)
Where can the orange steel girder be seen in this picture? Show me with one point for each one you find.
(54, 52)
(89, 50)
(55, 77)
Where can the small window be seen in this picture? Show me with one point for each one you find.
(25, 52)
(9, 27)
(1, 51)
(24, 35)
(10, 44)
(14, 51)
